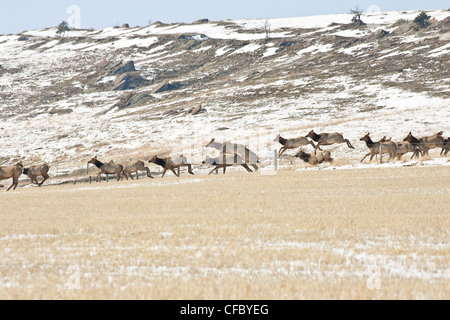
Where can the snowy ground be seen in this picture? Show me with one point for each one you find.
(50, 113)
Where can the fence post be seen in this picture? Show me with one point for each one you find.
(381, 155)
(275, 162)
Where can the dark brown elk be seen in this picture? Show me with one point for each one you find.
(34, 172)
(13, 172)
(224, 162)
(388, 147)
(314, 159)
(171, 163)
(249, 156)
(107, 168)
(426, 143)
(292, 143)
(446, 147)
(326, 139)
(404, 147)
(135, 168)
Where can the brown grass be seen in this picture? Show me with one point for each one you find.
(329, 234)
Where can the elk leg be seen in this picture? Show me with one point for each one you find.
(246, 167)
(15, 182)
(45, 178)
(173, 170)
(349, 144)
(164, 172)
(255, 167)
(148, 173)
(365, 157)
(212, 171)
(190, 169)
(283, 149)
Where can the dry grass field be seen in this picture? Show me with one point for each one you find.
(380, 233)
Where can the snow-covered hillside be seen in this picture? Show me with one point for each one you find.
(67, 99)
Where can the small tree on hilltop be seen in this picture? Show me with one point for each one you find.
(62, 28)
(357, 12)
(422, 20)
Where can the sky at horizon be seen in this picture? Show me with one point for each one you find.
(20, 15)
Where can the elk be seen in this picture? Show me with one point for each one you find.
(249, 156)
(171, 163)
(404, 147)
(224, 162)
(107, 168)
(13, 172)
(316, 158)
(446, 147)
(389, 147)
(135, 168)
(292, 143)
(426, 143)
(37, 171)
(326, 139)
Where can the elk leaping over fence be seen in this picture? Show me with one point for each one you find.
(13, 172)
(326, 139)
(292, 143)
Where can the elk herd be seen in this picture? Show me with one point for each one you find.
(233, 154)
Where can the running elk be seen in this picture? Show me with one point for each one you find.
(292, 143)
(426, 143)
(171, 163)
(107, 168)
(326, 139)
(404, 147)
(224, 161)
(13, 172)
(388, 147)
(446, 147)
(135, 168)
(249, 156)
(34, 172)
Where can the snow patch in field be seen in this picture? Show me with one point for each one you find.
(440, 51)
(248, 48)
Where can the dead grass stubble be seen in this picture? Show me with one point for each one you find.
(360, 234)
